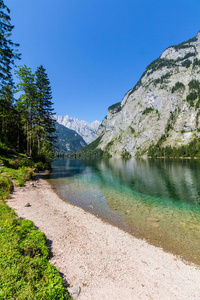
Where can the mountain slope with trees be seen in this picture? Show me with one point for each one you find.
(68, 141)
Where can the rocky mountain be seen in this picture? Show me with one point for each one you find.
(162, 110)
(69, 141)
(83, 128)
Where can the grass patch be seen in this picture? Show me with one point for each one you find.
(24, 268)
(25, 272)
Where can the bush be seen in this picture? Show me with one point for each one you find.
(5, 186)
(187, 63)
(147, 110)
(191, 97)
(178, 86)
(194, 85)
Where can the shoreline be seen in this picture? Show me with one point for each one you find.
(103, 260)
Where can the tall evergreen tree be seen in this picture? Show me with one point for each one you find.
(27, 104)
(45, 121)
(36, 111)
(7, 57)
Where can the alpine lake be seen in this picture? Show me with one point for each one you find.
(154, 199)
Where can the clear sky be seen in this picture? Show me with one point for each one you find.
(94, 51)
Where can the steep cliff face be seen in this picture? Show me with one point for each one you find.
(163, 107)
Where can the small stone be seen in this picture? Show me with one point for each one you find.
(74, 291)
(27, 205)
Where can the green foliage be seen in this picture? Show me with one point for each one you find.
(20, 168)
(91, 151)
(191, 98)
(178, 86)
(190, 150)
(132, 130)
(187, 63)
(24, 268)
(35, 109)
(190, 54)
(5, 187)
(109, 145)
(25, 272)
(185, 44)
(169, 63)
(21, 175)
(196, 62)
(125, 154)
(8, 55)
(147, 110)
(115, 108)
(194, 85)
(163, 78)
(64, 134)
(159, 64)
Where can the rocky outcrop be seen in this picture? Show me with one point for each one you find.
(163, 107)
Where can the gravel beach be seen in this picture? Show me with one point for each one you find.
(100, 261)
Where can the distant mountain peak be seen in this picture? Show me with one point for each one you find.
(86, 130)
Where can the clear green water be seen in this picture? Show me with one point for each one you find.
(155, 199)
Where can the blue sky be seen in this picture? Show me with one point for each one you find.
(94, 51)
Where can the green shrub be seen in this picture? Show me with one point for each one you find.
(115, 108)
(132, 129)
(178, 86)
(194, 85)
(5, 186)
(196, 62)
(191, 97)
(147, 110)
(125, 154)
(187, 63)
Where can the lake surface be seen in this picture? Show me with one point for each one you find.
(155, 199)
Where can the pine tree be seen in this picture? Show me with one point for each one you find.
(7, 57)
(36, 111)
(45, 121)
(27, 105)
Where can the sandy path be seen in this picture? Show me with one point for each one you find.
(105, 262)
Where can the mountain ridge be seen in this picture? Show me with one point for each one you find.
(86, 130)
(68, 141)
(163, 107)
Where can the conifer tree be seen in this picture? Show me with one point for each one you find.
(45, 121)
(27, 105)
(36, 111)
(7, 57)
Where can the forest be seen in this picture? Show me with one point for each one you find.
(26, 109)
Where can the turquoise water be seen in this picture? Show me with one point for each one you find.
(155, 199)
